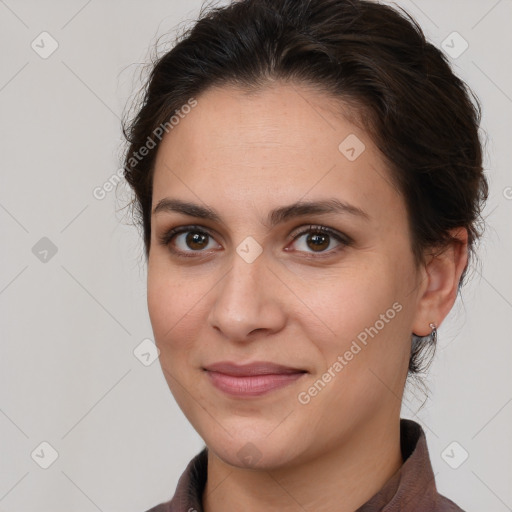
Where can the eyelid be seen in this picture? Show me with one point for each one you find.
(342, 239)
(168, 235)
(319, 228)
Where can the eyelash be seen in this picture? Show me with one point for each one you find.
(166, 238)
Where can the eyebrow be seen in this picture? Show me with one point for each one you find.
(276, 216)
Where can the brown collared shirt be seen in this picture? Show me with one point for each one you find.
(411, 489)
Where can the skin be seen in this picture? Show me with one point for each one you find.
(244, 155)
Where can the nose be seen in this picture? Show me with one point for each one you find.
(247, 301)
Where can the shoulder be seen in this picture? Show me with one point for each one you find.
(443, 504)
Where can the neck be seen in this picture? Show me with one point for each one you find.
(341, 479)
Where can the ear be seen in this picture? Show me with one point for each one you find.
(441, 277)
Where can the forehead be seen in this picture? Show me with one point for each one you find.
(279, 116)
(279, 144)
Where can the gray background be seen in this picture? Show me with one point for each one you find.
(71, 321)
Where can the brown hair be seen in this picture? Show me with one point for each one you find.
(421, 116)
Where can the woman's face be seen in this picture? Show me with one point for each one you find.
(255, 281)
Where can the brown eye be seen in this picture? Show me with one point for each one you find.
(187, 240)
(320, 239)
(196, 241)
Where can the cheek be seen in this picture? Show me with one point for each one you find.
(171, 310)
(178, 303)
(353, 301)
(365, 360)
(365, 321)
(169, 301)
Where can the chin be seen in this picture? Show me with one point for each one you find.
(254, 451)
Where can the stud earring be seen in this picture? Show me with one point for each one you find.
(429, 338)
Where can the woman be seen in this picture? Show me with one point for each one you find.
(308, 178)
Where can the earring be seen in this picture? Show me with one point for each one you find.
(429, 338)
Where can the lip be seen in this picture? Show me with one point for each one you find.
(250, 369)
(253, 379)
